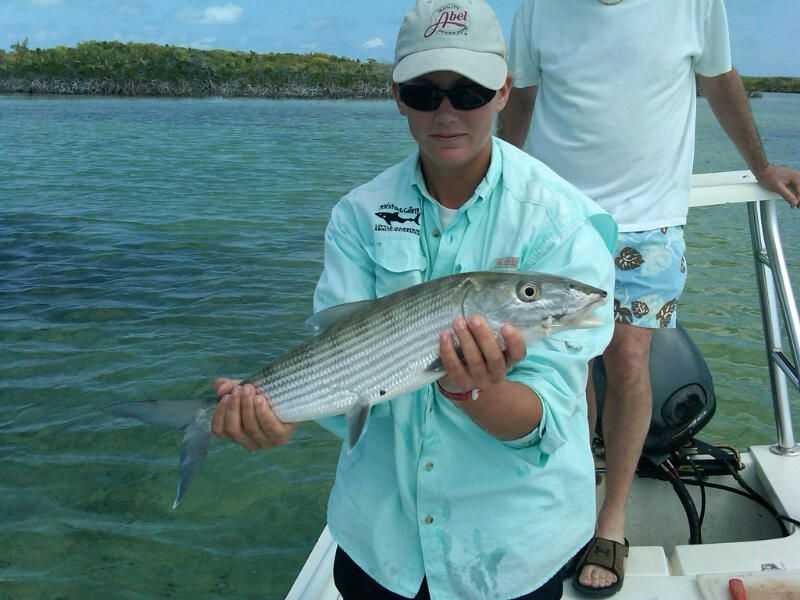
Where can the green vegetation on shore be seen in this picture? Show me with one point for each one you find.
(772, 84)
(151, 69)
(132, 69)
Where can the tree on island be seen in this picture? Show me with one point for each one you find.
(152, 69)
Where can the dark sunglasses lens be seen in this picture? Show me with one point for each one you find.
(420, 97)
(469, 97)
(462, 97)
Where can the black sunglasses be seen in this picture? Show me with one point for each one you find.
(465, 96)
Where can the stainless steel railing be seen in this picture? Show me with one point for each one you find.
(778, 307)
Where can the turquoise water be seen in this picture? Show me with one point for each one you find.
(147, 246)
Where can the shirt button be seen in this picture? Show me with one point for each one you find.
(436, 233)
(428, 520)
(429, 466)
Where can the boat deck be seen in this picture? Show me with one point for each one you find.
(662, 572)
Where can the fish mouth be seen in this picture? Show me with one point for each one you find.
(582, 316)
(595, 294)
(601, 296)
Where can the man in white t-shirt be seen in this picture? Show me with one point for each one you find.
(614, 88)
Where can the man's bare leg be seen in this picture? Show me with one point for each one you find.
(591, 401)
(626, 419)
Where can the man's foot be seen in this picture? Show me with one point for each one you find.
(601, 568)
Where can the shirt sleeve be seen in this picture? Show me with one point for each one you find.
(715, 57)
(348, 270)
(347, 276)
(556, 367)
(523, 56)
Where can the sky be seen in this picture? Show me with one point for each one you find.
(763, 32)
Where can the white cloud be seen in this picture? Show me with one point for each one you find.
(225, 14)
(45, 2)
(375, 42)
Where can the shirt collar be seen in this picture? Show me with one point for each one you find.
(482, 192)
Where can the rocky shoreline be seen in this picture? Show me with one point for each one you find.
(228, 89)
(188, 89)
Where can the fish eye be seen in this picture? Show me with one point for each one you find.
(528, 291)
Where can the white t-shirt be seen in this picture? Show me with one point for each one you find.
(616, 101)
(446, 215)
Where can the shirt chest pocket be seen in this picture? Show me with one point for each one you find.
(398, 264)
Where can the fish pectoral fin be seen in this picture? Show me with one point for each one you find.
(436, 366)
(357, 418)
(324, 319)
(194, 450)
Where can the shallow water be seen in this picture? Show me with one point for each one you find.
(149, 245)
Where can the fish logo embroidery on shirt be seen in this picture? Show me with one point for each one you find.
(394, 217)
(398, 219)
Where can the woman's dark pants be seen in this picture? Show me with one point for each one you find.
(354, 584)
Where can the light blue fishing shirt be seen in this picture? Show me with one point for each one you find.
(427, 492)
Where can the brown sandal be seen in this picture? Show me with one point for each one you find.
(607, 554)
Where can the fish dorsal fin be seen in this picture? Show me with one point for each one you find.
(324, 319)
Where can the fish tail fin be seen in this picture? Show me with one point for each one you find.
(194, 450)
(416, 219)
(193, 417)
(173, 414)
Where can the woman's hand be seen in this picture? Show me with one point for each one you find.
(485, 363)
(244, 416)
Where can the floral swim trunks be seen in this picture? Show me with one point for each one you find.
(650, 276)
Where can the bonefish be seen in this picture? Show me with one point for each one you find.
(375, 350)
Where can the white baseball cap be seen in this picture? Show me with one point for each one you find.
(463, 36)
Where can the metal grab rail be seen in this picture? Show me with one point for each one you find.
(777, 299)
(778, 305)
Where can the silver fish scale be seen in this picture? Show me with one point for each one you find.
(368, 357)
